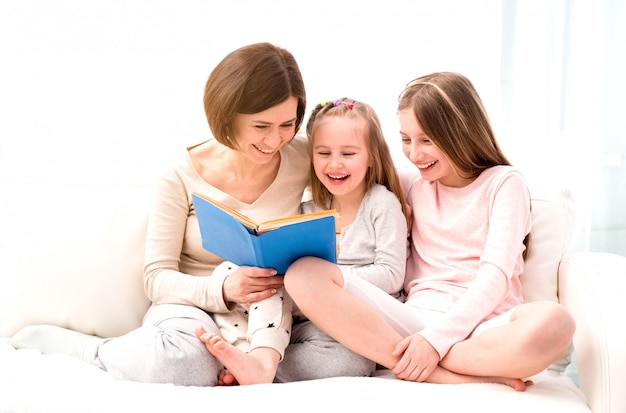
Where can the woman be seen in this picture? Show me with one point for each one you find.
(255, 102)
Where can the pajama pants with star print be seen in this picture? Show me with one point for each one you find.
(265, 323)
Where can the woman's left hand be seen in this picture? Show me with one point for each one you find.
(418, 359)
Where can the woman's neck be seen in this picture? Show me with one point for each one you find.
(231, 172)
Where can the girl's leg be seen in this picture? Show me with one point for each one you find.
(538, 334)
(316, 287)
(357, 321)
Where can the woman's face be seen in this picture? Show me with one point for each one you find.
(261, 135)
(424, 154)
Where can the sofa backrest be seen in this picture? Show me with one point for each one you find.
(72, 255)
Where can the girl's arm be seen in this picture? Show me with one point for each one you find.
(386, 224)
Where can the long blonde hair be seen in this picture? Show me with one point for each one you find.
(382, 171)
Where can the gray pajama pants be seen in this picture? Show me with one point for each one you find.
(165, 350)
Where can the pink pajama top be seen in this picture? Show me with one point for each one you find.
(466, 250)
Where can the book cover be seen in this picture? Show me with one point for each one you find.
(271, 244)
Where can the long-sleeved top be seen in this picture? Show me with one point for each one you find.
(374, 246)
(466, 250)
(177, 269)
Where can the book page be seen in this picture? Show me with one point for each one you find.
(235, 214)
(279, 222)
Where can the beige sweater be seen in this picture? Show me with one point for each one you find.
(177, 269)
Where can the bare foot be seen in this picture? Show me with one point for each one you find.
(225, 378)
(443, 376)
(257, 366)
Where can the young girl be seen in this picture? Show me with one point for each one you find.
(463, 319)
(352, 172)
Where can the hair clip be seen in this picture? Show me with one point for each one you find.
(338, 102)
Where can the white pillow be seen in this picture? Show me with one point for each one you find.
(72, 255)
(553, 218)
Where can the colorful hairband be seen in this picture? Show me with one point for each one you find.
(338, 102)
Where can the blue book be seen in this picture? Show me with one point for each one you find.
(271, 244)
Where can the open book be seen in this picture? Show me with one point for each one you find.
(271, 244)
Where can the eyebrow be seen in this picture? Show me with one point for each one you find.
(269, 123)
(343, 147)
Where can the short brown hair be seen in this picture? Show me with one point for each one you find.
(250, 80)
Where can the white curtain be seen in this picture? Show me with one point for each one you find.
(564, 106)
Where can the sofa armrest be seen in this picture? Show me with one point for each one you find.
(592, 286)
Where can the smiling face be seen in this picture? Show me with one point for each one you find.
(260, 135)
(340, 155)
(423, 153)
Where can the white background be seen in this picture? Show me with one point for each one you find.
(104, 92)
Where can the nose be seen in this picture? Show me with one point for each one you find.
(273, 137)
(335, 161)
(412, 152)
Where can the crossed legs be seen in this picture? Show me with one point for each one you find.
(537, 335)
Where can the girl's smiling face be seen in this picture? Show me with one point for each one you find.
(340, 155)
(432, 163)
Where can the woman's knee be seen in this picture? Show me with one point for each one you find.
(182, 363)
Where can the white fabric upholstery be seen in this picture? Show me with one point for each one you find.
(72, 255)
(593, 287)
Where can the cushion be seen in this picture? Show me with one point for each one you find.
(72, 255)
(553, 218)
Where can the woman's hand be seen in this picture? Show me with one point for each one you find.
(249, 284)
(418, 359)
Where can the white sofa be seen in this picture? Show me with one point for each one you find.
(71, 255)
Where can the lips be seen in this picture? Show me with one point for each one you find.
(265, 151)
(337, 177)
(426, 165)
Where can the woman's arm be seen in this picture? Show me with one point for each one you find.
(167, 227)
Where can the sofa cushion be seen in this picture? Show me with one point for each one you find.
(72, 255)
(553, 218)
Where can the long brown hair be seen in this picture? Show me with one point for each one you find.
(452, 115)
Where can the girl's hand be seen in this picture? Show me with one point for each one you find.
(249, 284)
(418, 359)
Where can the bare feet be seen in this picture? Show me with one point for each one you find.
(443, 376)
(257, 366)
